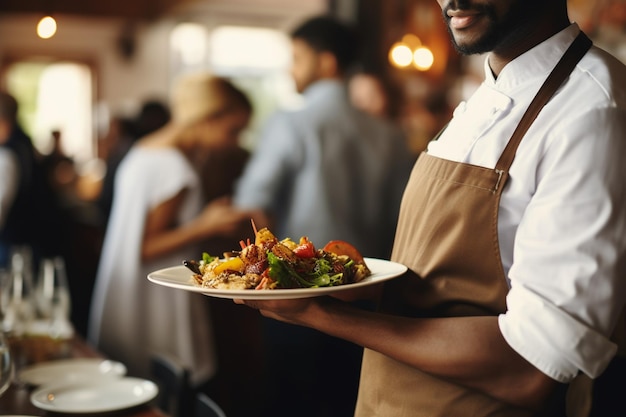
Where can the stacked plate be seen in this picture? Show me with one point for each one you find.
(85, 386)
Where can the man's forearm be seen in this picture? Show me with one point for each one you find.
(466, 350)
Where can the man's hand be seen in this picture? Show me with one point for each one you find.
(290, 311)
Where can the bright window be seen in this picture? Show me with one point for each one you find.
(55, 96)
(188, 42)
(256, 59)
(236, 49)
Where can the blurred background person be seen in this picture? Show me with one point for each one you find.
(369, 92)
(9, 172)
(61, 176)
(158, 220)
(113, 147)
(153, 115)
(327, 171)
(8, 185)
(122, 134)
(29, 210)
(58, 167)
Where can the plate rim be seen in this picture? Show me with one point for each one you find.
(277, 294)
(42, 366)
(87, 409)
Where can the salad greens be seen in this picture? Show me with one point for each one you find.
(206, 258)
(321, 275)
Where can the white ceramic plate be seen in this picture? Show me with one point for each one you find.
(70, 370)
(180, 277)
(99, 396)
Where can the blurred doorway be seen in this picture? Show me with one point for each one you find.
(55, 96)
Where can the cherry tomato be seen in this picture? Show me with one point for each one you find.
(305, 249)
(341, 247)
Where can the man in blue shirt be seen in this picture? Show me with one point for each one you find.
(326, 171)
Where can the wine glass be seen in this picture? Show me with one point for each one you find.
(6, 364)
(53, 295)
(5, 276)
(17, 294)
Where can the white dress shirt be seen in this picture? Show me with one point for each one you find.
(562, 219)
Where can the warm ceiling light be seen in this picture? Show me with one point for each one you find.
(47, 27)
(410, 50)
(412, 41)
(423, 58)
(401, 55)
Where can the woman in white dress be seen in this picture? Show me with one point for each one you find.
(158, 220)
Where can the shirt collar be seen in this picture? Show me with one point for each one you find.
(536, 62)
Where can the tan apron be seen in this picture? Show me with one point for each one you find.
(447, 235)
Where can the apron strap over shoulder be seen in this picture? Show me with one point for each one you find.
(557, 77)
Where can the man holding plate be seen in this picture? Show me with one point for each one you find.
(513, 230)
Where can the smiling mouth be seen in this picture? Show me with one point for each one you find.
(461, 19)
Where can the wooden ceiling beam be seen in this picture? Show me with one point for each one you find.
(126, 9)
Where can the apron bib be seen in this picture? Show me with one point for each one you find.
(447, 236)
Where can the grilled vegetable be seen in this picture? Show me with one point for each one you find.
(268, 264)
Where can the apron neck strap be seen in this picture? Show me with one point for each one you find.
(557, 77)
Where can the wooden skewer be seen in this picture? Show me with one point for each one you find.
(254, 227)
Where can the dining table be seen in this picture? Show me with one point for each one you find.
(30, 351)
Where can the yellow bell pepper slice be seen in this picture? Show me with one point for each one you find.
(233, 264)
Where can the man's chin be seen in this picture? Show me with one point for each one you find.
(465, 49)
(467, 44)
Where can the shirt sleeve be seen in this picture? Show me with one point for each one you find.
(175, 174)
(567, 278)
(271, 165)
(8, 185)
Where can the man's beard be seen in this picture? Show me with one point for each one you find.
(503, 31)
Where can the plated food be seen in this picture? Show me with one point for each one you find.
(178, 277)
(269, 263)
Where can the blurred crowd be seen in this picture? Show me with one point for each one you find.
(176, 183)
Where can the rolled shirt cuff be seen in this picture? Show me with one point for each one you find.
(552, 340)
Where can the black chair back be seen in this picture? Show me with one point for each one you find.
(175, 392)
